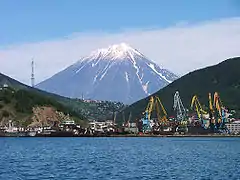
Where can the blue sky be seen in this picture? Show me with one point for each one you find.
(179, 35)
(39, 20)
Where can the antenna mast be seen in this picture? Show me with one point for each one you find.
(32, 75)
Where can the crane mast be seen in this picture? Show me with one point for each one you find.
(217, 103)
(211, 108)
(146, 120)
(179, 107)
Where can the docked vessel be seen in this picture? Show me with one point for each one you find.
(56, 134)
(199, 130)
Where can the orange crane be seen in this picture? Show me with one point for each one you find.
(222, 119)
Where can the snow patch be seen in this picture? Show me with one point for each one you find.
(126, 77)
(153, 68)
(145, 87)
(95, 63)
(80, 68)
(95, 79)
(137, 69)
(103, 75)
(105, 70)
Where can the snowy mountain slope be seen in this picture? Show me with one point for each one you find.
(118, 73)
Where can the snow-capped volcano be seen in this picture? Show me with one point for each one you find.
(117, 73)
(117, 51)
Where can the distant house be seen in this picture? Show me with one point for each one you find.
(5, 86)
(234, 127)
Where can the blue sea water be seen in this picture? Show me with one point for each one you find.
(119, 158)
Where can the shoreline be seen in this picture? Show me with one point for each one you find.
(135, 136)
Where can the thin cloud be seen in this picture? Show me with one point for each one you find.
(181, 48)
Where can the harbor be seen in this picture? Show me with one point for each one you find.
(213, 119)
(110, 129)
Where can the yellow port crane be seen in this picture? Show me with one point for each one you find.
(162, 119)
(149, 108)
(219, 106)
(156, 105)
(146, 120)
(211, 109)
(195, 105)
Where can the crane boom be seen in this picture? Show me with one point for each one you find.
(158, 106)
(195, 103)
(149, 108)
(179, 107)
(162, 107)
(210, 102)
(148, 111)
(220, 108)
(218, 104)
(211, 109)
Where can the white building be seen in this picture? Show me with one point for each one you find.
(102, 126)
(234, 127)
(68, 122)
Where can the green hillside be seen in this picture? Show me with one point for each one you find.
(223, 78)
(17, 105)
(85, 110)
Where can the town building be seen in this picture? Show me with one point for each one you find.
(234, 127)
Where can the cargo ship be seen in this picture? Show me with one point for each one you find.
(199, 130)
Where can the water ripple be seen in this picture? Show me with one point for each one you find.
(119, 158)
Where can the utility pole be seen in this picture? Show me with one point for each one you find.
(33, 75)
(113, 115)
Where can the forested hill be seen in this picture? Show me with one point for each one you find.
(26, 97)
(223, 78)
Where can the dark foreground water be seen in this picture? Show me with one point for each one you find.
(119, 158)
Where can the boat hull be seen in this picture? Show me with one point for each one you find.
(199, 130)
(56, 134)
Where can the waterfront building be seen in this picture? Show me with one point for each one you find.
(234, 127)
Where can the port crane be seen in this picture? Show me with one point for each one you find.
(211, 112)
(179, 107)
(158, 105)
(154, 104)
(146, 120)
(196, 105)
(222, 119)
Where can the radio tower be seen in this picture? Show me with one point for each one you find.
(32, 75)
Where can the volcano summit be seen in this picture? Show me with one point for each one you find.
(117, 73)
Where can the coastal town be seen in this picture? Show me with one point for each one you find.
(46, 121)
(68, 128)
